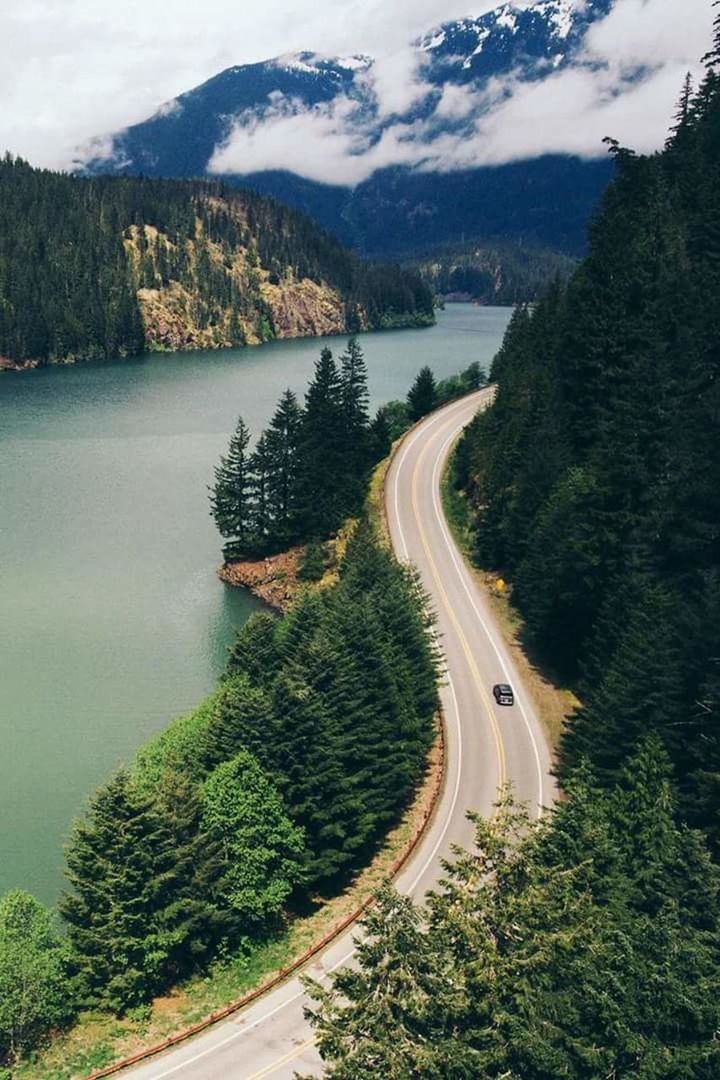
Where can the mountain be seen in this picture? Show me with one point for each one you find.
(110, 266)
(386, 204)
(501, 274)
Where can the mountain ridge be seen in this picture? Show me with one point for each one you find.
(115, 266)
(217, 127)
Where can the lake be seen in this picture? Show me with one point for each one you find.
(112, 618)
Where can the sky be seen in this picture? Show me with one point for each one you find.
(74, 69)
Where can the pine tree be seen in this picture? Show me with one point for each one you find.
(241, 720)
(260, 527)
(422, 396)
(194, 920)
(381, 436)
(682, 114)
(322, 453)
(282, 442)
(354, 393)
(117, 859)
(230, 498)
(255, 652)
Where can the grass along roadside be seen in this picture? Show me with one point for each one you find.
(552, 702)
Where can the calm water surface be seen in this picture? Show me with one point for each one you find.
(112, 619)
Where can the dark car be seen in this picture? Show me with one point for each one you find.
(503, 694)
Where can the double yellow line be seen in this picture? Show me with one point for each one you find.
(270, 1069)
(472, 664)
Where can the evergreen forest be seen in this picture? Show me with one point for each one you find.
(595, 476)
(261, 803)
(588, 944)
(308, 471)
(492, 273)
(106, 267)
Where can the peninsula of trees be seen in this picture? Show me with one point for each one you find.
(309, 470)
(106, 267)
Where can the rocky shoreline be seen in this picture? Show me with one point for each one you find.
(274, 580)
(6, 364)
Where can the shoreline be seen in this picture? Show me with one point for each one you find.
(273, 579)
(153, 349)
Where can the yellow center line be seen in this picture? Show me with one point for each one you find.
(270, 1069)
(499, 746)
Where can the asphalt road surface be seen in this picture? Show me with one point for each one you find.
(486, 745)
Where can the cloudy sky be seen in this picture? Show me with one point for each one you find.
(73, 69)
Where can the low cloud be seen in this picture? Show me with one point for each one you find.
(74, 69)
(324, 138)
(625, 86)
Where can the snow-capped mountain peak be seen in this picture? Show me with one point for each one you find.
(312, 63)
(529, 38)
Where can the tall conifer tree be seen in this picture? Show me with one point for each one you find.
(230, 497)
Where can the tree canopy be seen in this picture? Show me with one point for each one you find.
(595, 476)
(583, 945)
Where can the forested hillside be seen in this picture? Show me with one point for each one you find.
(595, 477)
(267, 798)
(106, 267)
(492, 273)
(588, 944)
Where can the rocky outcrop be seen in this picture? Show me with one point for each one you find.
(16, 365)
(304, 309)
(274, 579)
(258, 305)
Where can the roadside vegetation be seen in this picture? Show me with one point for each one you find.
(588, 944)
(214, 859)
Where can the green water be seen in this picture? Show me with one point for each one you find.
(112, 619)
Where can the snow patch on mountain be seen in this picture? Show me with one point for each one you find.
(522, 80)
(169, 108)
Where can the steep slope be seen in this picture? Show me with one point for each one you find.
(594, 479)
(387, 206)
(110, 266)
(501, 274)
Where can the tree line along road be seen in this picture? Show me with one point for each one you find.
(486, 746)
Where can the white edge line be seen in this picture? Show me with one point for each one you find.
(452, 548)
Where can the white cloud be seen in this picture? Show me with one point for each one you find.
(73, 69)
(397, 80)
(647, 31)
(570, 111)
(322, 142)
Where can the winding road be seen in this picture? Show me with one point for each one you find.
(486, 745)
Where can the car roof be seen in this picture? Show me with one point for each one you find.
(503, 686)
